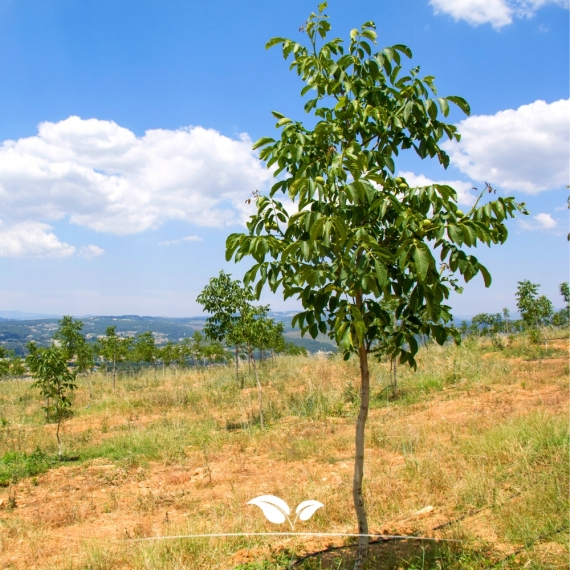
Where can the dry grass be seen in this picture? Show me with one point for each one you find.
(476, 432)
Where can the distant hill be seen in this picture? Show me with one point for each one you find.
(17, 328)
(23, 316)
(16, 333)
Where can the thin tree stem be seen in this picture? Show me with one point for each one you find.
(259, 390)
(358, 498)
(59, 448)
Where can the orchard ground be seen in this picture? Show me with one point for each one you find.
(476, 438)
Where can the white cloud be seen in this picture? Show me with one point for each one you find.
(541, 222)
(175, 241)
(31, 239)
(463, 189)
(498, 13)
(100, 175)
(91, 251)
(524, 149)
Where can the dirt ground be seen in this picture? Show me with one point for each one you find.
(48, 521)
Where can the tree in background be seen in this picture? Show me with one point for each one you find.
(74, 344)
(5, 356)
(69, 336)
(168, 354)
(271, 337)
(225, 299)
(215, 352)
(17, 367)
(55, 382)
(195, 347)
(535, 311)
(487, 323)
(562, 317)
(114, 349)
(506, 317)
(250, 331)
(144, 349)
(10, 364)
(292, 349)
(361, 235)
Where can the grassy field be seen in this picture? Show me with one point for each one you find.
(473, 448)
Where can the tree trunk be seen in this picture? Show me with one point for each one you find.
(359, 460)
(259, 390)
(59, 446)
(363, 539)
(237, 366)
(114, 374)
(394, 362)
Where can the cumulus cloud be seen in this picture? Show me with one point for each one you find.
(498, 13)
(91, 251)
(31, 239)
(181, 240)
(463, 189)
(102, 176)
(541, 222)
(524, 149)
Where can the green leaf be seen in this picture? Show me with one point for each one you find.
(274, 41)
(316, 228)
(389, 162)
(404, 49)
(381, 273)
(262, 142)
(444, 106)
(455, 234)
(370, 34)
(422, 259)
(461, 103)
(486, 275)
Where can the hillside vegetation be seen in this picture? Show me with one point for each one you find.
(472, 448)
(15, 334)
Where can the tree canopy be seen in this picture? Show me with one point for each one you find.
(357, 235)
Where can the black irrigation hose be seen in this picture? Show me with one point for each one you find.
(529, 544)
(438, 527)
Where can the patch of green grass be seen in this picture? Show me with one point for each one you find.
(164, 439)
(529, 454)
(316, 404)
(16, 465)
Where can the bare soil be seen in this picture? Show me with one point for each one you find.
(50, 521)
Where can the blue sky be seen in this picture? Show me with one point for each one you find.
(125, 132)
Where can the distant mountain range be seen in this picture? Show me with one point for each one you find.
(17, 328)
(23, 316)
(20, 328)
